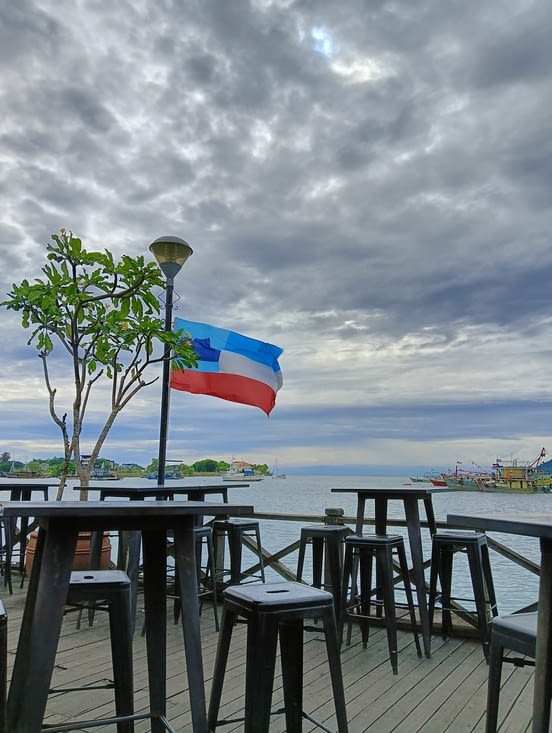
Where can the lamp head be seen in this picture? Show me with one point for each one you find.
(171, 253)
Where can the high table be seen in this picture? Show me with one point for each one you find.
(21, 491)
(129, 543)
(531, 525)
(59, 525)
(166, 491)
(410, 496)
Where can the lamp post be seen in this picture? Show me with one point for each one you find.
(171, 253)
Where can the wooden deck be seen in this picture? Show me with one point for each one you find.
(444, 694)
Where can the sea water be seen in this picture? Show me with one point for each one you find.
(310, 495)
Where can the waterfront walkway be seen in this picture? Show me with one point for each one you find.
(444, 694)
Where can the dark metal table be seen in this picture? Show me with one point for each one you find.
(59, 525)
(128, 557)
(530, 525)
(166, 491)
(410, 496)
(21, 491)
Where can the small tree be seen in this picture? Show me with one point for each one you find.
(104, 315)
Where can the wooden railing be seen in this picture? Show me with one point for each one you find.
(275, 559)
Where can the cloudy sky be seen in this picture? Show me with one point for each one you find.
(365, 183)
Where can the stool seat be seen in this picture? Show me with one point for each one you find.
(444, 547)
(236, 530)
(272, 611)
(360, 553)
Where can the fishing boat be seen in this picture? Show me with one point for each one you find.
(241, 471)
(525, 477)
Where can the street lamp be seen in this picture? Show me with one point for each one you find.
(171, 253)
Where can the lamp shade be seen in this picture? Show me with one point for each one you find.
(171, 253)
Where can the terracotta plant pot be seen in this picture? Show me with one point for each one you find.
(82, 552)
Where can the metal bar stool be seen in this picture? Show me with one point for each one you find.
(517, 632)
(444, 547)
(360, 552)
(274, 610)
(110, 587)
(236, 531)
(206, 578)
(327, 552)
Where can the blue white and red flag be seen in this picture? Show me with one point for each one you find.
(231, 366)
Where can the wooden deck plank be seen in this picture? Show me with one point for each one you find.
(444, 694)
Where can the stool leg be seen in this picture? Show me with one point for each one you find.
(365, 559)
(121, 653)
(493, 686)
(291, 654)
(475, 562)
(334, 571)
(447, 555)
(489, 583)
(409, 597)
(260, 553)
(235, 550)
(8, 555)
(317, 556)
(347, 570)
(385, 571)
(332, 651)
(262, 638)
(223, 647)
(434, 575)
(301, 556)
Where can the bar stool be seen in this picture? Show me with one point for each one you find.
(206, 577)
(327, 550)
(517, 632)
(3, 666)
(109, 590)
(444, 547)
(236, 531)
(274, 610)
(360, 553)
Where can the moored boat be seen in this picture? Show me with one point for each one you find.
(515, 477)
(241, 471)
(437, 481)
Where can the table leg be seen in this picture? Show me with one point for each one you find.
(41, 626)
(430, 515)
(155, 603)
(361, 502)
(187, 579)
(543, 660)
(416, 551)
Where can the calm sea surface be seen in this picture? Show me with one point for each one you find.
(311, 495)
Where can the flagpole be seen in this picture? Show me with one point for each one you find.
(171, 253)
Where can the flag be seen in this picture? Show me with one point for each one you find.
(231, 366)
